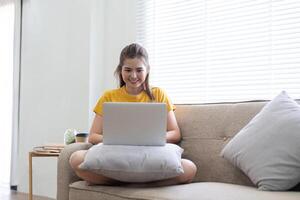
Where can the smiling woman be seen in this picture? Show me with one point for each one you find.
(133, 73)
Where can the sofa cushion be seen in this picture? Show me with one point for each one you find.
(134, 163)
(267, 149)
(205, 190)
(205, 131)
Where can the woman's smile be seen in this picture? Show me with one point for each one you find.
(134, 81)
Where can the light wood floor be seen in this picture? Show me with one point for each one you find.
(7, 194)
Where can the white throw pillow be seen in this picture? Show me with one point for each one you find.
(134, 163)
(267, 149)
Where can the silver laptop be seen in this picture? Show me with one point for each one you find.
(134, 123)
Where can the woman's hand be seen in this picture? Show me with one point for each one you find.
(173, 132)
(95, 136)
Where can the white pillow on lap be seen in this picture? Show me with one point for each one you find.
(267, 149)
(134, 163)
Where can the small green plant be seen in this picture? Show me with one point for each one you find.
(69, 136)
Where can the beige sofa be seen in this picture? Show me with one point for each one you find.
(205, 131)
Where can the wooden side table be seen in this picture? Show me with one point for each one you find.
(36, 154)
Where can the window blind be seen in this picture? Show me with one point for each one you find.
(221, 51)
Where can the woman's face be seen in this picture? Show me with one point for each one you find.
(134, 73)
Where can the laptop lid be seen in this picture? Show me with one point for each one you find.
(134, 123)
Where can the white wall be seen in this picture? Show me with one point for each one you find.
(97, 39)
(6, 85)
(54, 82)
(70, 49)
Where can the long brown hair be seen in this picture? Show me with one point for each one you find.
(134, 50)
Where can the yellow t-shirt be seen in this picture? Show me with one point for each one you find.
(121, 95)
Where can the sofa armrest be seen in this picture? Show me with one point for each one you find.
(65, 174)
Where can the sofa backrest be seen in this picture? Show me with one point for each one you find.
(206, 129)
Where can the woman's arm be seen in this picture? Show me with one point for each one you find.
(95, 136)
(173, 132)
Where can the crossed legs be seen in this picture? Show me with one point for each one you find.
(77, 158)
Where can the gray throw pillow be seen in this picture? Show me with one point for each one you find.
(134, 163)
(267, 149)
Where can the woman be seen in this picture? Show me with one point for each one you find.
(133, 73)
